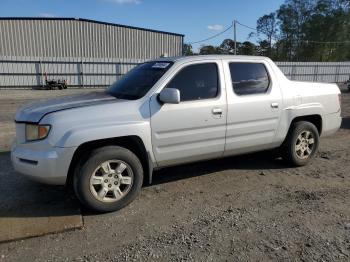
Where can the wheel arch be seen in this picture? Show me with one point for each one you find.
(315, 119)
(133, 143)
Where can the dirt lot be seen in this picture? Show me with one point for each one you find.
(247, 208)
(11, 100)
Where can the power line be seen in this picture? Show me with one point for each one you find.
(251, 28)
(254, 29)
(212, 37)
(319, 42)
(305, 41)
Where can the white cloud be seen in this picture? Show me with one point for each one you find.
(47, 15)
(215, 27)
(124, 2)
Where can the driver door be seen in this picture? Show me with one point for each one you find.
(195, 128)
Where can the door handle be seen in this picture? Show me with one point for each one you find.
(217, 111)
(274, 105)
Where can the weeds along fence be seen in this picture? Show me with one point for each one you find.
(27, 73)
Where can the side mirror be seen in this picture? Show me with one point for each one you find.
(170, 96)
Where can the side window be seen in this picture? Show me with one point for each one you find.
(197, 82)
(249, 78)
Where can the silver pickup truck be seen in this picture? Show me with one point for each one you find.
(167, 112)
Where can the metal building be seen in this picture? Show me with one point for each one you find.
(83, 38)
(82, 52)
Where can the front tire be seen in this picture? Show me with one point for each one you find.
(301, 143)
(109, 179)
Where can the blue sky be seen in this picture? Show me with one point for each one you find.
(196, 19)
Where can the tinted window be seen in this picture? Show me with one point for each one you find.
(249, 78)
(137, 82)
(196, 82)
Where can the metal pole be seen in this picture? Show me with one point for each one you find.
(337, 70)
(82, 73)
(316, 73)
(235, 35)
(42, 75)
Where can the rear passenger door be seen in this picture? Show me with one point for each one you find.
(254, 100)
(195, 128)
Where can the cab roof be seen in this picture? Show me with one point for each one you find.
(211, 57)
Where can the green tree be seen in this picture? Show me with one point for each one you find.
(264, 48)
(329, 22)
(305, 27)
(209, 50)
(227, 46)
(267, 25)
(247, 48)
(292, 17)
(187, 49)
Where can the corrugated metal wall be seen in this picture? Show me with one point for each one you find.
(82, 38)
(331, 72)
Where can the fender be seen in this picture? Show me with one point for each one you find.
(292, 112)
(77, 136)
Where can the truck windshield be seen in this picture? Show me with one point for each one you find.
(137, 82)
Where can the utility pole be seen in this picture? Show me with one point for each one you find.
(235, 34)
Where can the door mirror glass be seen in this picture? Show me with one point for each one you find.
(170, 96)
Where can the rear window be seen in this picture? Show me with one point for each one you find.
(249, 78)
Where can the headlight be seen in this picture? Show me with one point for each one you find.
(36, 132)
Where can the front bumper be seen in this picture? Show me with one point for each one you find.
(45, 166)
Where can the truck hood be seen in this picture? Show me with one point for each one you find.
(34, 112)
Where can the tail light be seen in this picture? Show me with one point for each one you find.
(339, 99)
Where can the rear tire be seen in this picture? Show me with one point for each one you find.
(301, 144)
(109, 179)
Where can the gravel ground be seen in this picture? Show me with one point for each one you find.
(11, 100)
(246, 208)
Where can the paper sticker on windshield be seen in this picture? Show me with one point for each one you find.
(161, 65)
